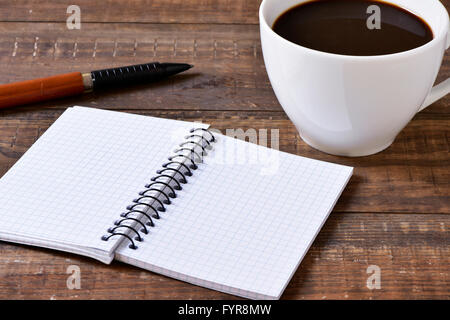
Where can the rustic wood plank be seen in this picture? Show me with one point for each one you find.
(230, 89)
(413, 175)
(229, 71)
(142, 11)
(412, 252)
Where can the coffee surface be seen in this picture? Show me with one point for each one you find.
(345, 27)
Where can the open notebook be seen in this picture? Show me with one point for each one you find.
(222, 213)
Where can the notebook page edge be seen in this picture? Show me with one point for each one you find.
(35, 144)
(227, 289)
(286, 153)
(106, 254)
(121, 239)
(194, 280)
(124, 257)
(349, 175)
(131, 114)
(91, 252)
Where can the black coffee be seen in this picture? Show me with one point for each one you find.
(346, 27)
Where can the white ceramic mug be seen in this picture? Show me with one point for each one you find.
(354, 105)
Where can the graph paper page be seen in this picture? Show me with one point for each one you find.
(244, 220)
(74, 182)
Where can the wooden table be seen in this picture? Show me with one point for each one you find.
(395, 213)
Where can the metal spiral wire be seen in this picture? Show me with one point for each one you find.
(140, 209)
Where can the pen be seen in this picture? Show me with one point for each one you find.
(74, 83)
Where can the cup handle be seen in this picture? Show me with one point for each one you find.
(440, 90)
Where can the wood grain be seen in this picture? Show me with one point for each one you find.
(141, 11)
(229, 72)
(412, 252)
(413, 175)
(393, 214)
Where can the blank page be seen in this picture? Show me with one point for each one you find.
(244, 220)
(74, 182)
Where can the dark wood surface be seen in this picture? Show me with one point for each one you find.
(393, 214)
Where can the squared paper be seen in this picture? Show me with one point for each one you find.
(242, 224)
(242, 228)
(73, 183)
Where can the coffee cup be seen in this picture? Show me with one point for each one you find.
(354, 105)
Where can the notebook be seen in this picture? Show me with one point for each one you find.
(169, 196)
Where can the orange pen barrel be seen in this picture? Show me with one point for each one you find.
(36, 90)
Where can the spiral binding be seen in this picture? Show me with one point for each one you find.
(140, 209)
